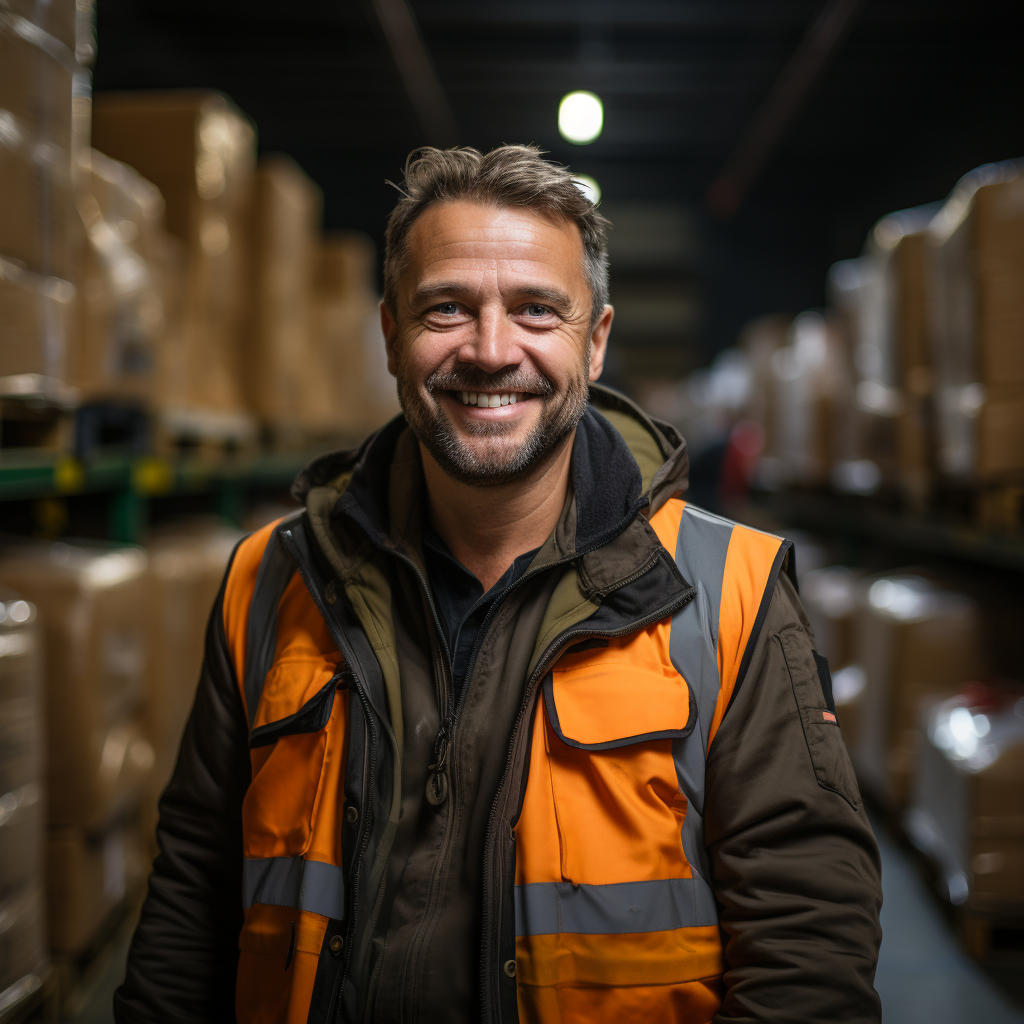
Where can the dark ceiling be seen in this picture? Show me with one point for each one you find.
(914, 95)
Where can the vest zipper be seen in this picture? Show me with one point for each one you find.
(489, 944)
(367, 818)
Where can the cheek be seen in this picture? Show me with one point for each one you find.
(559, 356)
(427, 352)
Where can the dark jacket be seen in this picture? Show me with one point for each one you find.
(792, 861)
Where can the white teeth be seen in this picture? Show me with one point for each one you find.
(495, 401)
(464, 395)
(485, 401)
(472, 398)
(504, 399)
(512, 399)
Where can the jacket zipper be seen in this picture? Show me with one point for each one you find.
(488, 946)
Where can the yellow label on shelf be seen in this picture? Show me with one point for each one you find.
(68, 475)
(152, 476)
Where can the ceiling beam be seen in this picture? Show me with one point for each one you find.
(415, 68)
(827, 31)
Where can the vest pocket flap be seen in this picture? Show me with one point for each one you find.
(311, 716)
(615, 706)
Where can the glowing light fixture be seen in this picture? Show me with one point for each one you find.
(590, 188)
(580, 117)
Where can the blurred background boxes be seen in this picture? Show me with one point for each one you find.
(284, 229)
(967, 813)
(199, 151)
(23, 958)
(915, 642)
(93, 609)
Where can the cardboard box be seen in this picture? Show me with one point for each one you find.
(93, 608)
(916, 643)
(976, 323)
(120, 323)
(186, 567)
(968, 807)
(349, 389)
(22, 939)
(830, 597)
(283, 231)
(200, 153)
(35, 155)
(88, 877)
(35, 321)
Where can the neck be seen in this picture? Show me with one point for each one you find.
(487, 528)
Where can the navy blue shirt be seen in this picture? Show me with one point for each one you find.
(459, 596)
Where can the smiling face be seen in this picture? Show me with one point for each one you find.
(491, 339)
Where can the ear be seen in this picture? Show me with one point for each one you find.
(390, 329)
(599, 342)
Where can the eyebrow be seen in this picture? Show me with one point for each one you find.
(552, 296)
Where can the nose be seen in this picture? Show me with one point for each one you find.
(492, 345)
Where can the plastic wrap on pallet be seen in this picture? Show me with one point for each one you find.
(36, 71)
(200, 152)
(976, 316)
(120, 323)
(967, 812)
(92, 605)
(22, 929)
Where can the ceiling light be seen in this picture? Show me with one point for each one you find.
(580, 117)
(590, 188)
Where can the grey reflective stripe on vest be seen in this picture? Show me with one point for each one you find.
(309, 885)
(661, 904)
(276, 569)
(701, 549)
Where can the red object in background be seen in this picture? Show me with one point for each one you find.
(992, 697)
(745, 444)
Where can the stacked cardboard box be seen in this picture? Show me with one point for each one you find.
(93, 609)
(200, 153)
(22, 930)
(120, 344)
(968, 808)
(283, 232)
(350, 391)
(186, 565)
(976, 323)
(37, 66)
(809, 386)
(916, 643)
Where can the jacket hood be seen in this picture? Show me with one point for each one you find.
(657, 448)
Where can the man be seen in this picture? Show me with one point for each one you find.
(498, 727)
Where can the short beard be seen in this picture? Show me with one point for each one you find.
(435, 431)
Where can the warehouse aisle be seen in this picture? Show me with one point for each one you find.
(924, 977)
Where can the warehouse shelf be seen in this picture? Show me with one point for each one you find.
(843, 516)
(35, 476)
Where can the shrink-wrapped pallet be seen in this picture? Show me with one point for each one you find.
(199, 151)
(22, 813)
(916, 642)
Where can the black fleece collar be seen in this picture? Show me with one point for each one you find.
(606, 483)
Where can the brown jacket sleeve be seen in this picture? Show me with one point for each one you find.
(794, 863)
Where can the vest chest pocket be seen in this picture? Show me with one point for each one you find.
(605, 895)
(298, 731)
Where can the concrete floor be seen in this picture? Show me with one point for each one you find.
(923, 975)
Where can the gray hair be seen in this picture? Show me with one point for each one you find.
(511, 176)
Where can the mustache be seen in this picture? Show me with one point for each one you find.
(472, 378)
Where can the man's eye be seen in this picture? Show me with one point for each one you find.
(448, 308)
(534, 310)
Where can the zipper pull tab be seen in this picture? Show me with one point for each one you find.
(437, 781)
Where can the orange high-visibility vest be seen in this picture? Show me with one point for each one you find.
(615, 915)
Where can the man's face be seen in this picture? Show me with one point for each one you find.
(491, 340)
